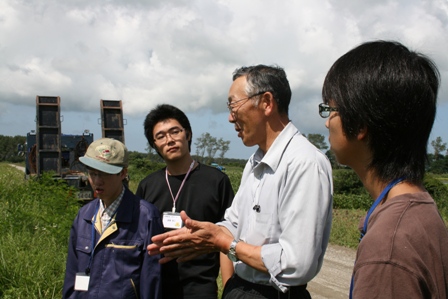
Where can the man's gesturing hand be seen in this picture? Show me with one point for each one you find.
(194, 239)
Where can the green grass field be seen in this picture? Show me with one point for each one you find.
(35, 221)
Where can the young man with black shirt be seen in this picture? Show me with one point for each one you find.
(185, 185)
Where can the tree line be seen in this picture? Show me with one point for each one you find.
(212, 149)
(12, 148)
(437, 161)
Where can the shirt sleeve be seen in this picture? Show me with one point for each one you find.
(305, 206)
(388, 280)
(72, 264)
(140, 192)
(150, 276)
(231, 213)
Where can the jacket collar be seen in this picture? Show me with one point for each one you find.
(124, 210)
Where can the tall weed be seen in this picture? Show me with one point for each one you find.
(35, 221)
(344, 230)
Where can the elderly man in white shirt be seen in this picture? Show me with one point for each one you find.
(277, 229)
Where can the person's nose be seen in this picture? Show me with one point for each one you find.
(169, 139)
(232, 118)
(97, 180)
(327, 123)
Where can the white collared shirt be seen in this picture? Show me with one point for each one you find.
(292, 185)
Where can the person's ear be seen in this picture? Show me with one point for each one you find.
(188, 135)
(362, 134)
(268, 102)
(124, 173)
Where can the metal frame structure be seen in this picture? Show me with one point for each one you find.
(48, 134)
(112, 123)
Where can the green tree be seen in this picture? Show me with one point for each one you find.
(439, 166)
(334, 163)
(223, 148)
(439, 147)
(152, 153)
(201, 145)
(212, 147)
(206, 143)
(318, 140)
(12, 149)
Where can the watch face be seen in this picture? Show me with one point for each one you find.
(232, 252)
(232, 257)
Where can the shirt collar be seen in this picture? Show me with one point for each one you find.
(274, 154)
(112, 208)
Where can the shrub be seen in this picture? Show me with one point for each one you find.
(352, 201)
(438, 191)
(139, 168)
(349, 192)
(346, 181)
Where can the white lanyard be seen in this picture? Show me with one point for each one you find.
(180, 188)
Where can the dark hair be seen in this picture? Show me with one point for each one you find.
(391, 91)
(164, 112)
(262, 78)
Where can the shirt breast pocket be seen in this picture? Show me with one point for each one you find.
(263, 218)
(127, 251)
(261, 230)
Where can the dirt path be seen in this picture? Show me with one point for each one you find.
(333, 280)
(21, 168)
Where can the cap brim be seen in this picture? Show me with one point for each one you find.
(104, 167)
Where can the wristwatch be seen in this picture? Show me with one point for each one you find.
(232, 251)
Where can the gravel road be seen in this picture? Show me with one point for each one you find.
(333, 280)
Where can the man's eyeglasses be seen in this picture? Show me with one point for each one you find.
(231, 105)
(174, 133)
(325, 110)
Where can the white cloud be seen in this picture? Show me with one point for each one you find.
(184, 52)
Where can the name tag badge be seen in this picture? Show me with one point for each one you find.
(172, 220)
(82, 282)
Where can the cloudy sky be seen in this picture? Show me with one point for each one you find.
(183, 52)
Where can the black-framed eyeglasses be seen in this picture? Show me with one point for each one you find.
(325, 110)
(174, 133)
(231, 105)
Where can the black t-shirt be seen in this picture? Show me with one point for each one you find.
(205, 196)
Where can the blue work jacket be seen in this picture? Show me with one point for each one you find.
(120, 265)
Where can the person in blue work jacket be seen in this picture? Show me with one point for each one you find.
(107, 247)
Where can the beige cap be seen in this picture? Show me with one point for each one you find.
(107, 155)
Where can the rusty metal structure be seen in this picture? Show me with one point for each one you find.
(48, 133)
(112, 122)
(48, 150)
